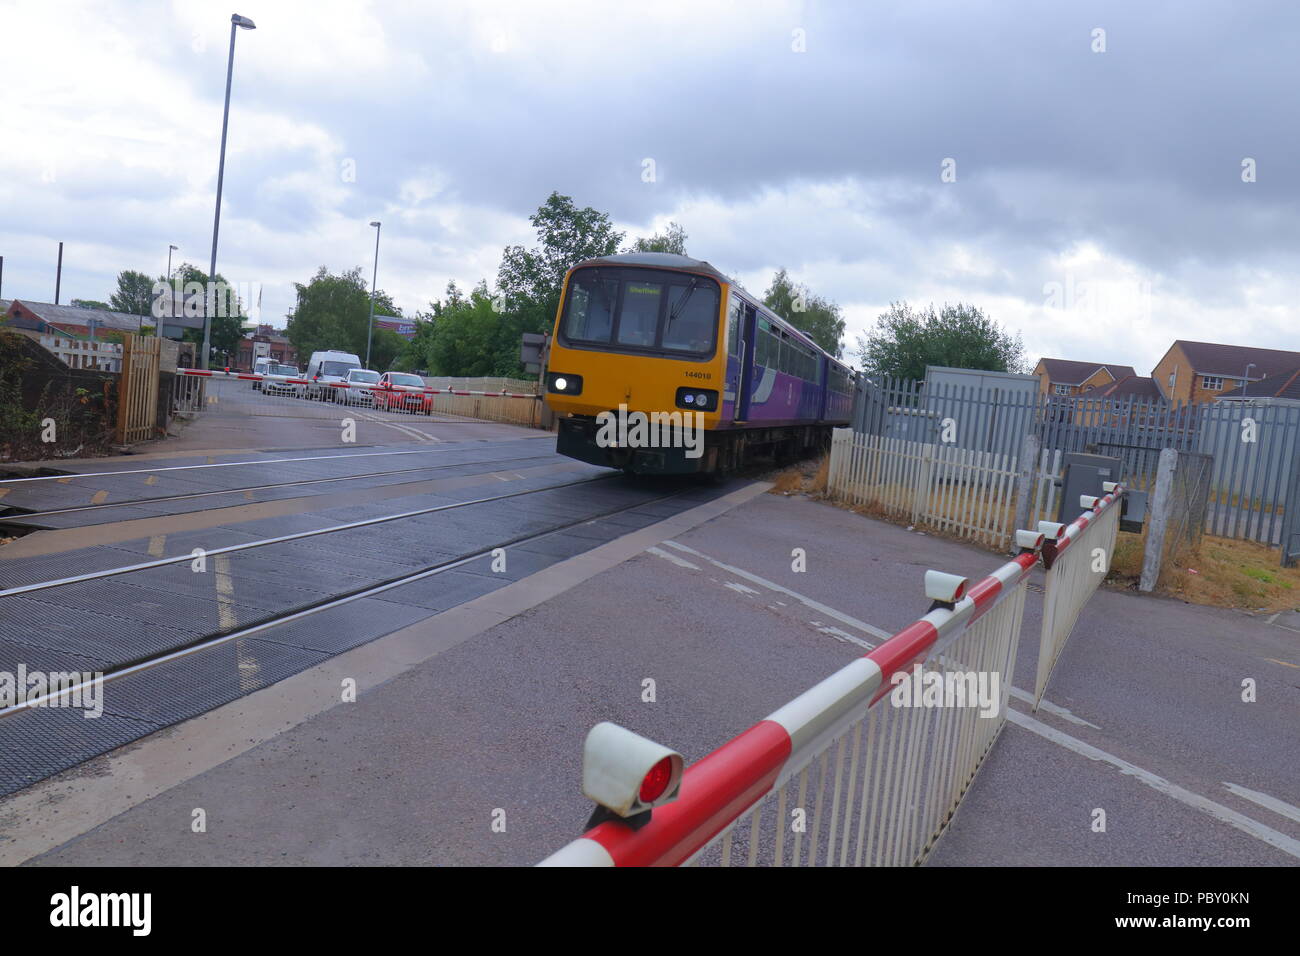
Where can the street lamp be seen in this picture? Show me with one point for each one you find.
(374, 276)
(1245, 380)
(171, 289)
(242, 23)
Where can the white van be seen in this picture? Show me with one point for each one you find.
(326, 367)
(260, 367)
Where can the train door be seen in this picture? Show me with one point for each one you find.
(748, 325)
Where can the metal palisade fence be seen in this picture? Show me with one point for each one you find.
(956, 458)
(868, 767)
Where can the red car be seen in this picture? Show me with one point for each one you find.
(392, 394)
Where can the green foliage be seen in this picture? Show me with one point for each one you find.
(818, 317)
(227, 328)
(94, 304)
(904, 341)
(467, 336)
(672, 239)
(134, 293)
(332, 312)
(530, 279)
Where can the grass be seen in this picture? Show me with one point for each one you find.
(1220, 572)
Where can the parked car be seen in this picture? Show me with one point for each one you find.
(277, 387)
(325, 368)
(391, 395)
(356, 393)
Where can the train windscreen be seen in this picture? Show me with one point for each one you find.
(642, 310)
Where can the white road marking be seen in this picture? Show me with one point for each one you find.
(740, 588)
(226, 618)
(1194, 800)
(1279, 807)
(1062, 712)
(680, 562)
(840, 635)
(773, 586)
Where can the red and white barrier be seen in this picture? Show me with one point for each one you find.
(1078, 557)
(885, 780)
(288, 380)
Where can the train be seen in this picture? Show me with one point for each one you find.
(659, 364)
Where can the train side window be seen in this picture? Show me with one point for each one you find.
(769, 347)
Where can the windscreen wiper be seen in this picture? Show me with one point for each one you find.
(681, 303)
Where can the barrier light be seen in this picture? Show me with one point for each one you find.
(627, 774)
(948, 588)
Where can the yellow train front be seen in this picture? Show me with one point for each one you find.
(660, 364)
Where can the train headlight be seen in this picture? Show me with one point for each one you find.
(564, 383)
(702, 400)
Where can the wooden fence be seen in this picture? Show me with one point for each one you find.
(495, 408)
(137, 392)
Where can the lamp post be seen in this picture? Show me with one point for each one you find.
(242, 23)
(373, 277)
(171, 288)
(1245, 381)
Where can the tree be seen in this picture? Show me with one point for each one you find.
(904, 341)
(466, 335)
(134, 293)
(94, 304)
(193, 296)
(332, 312)
(819, 318)
(530, 280)
(672, 239)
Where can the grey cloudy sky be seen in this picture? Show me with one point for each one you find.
(1099, 206)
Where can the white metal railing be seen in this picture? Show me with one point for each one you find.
(76, 353)
(954, 490)
(1078, 558)
(868, 767)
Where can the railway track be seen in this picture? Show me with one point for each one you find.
(27, 516)
(277, 619)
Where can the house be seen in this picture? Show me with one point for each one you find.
(71, 320)
(1065, 377)
(1139, 387)
(265, 341)
(1197, 372)
(1284, 385)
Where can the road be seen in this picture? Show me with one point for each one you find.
(475, 687)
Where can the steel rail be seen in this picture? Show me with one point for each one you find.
(281, 539)
(369, 590)
(24, 515)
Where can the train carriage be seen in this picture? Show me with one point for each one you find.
(660, 364)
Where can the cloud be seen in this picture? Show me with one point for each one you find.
(1118, 173)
